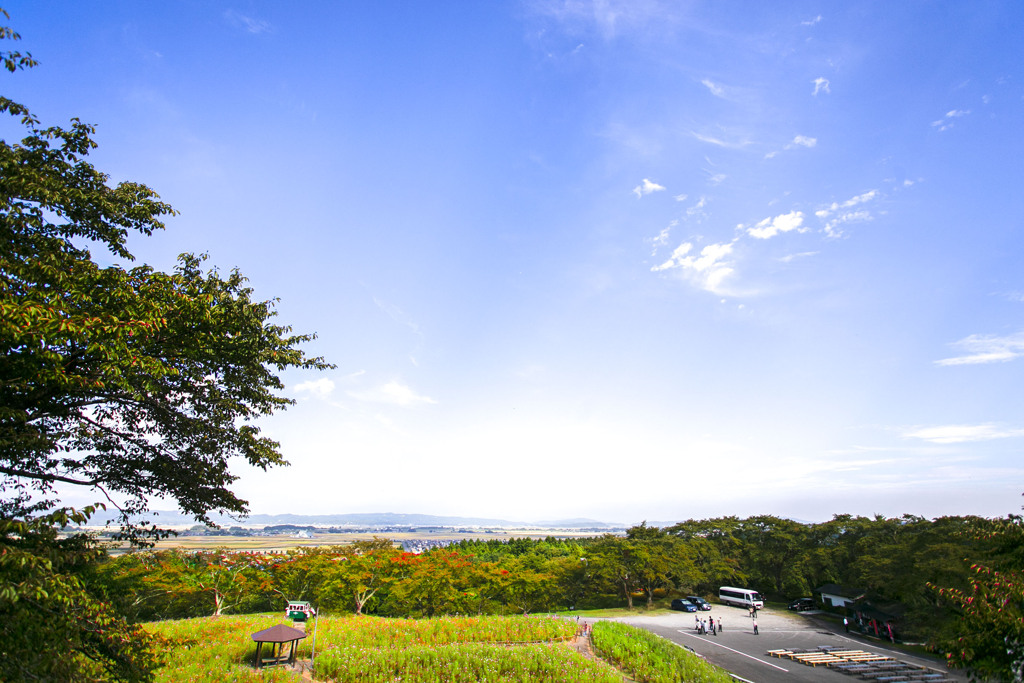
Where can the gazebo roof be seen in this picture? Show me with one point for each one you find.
(278, 634)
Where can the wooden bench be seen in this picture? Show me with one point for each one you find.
(815, 660)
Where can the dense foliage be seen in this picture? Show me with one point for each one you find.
(132, 384)
(890, 559)
(942, 573)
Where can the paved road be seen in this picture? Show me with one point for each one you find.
(738, 650)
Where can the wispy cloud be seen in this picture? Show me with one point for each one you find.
(946, 122)
(647, 187)
(715, 89)
(247, 23)
(798, 141)
(719, 142)
(320, 388)
(662, 239)
(947, 434)
(707, 270)
(392, 393)
(698, 208)
(811, 22)
(837, 214)
(769, 227)
(981, 349)
(792, 257)
(821, 85)
(832, 226)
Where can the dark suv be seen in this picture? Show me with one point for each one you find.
(684, 605)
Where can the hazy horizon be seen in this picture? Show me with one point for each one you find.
(616, 260)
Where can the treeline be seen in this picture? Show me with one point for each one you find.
(903, 560)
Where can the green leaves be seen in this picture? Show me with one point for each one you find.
(52, 626)
(136, 382)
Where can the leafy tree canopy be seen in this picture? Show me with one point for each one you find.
(130, 381)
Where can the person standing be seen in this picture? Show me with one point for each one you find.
(846, 624)
(720, 629)
(755, 626)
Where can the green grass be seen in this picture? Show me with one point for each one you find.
(652, 659)
(356, 649)
(659, 606)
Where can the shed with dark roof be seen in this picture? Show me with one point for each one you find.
(276, 637)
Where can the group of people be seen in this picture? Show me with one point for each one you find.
(708, 625)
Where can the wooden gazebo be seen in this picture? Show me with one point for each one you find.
(276, 637)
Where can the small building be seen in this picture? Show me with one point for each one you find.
(834, 595)
(276, 637)
(880, 619)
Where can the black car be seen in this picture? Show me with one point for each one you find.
(684, 605)
(700, 602)
(801, 604)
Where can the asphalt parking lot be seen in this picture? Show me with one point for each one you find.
(739, 651)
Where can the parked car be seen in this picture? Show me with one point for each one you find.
(700, 602)
(801, 604)
(684, 605)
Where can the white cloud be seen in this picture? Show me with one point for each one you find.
(770, 227)
(832, 226)
(662, 238)
(697, 208)
(947, 434)
(321, 388)
(738, 144)
(717, 178)
(946, 122)
(798, 141)
(647, 187)
(836, 219)
(392, 393)
(680, 197)
(982, 349)
(715, 89)
(821, 85)
(792, 257)
(249, 24)
(707, 271)
(811, 22)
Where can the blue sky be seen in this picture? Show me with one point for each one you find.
(623, 260)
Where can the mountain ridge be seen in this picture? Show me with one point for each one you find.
(363, 519)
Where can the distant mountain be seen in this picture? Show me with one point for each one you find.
(364, 519)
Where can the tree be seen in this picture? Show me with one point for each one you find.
(990, 639)
(368, 567)
(620, 562)
(135, 383)
(714, 549)
(52, 625)
(772, 554)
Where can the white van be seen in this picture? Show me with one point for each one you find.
(741, 597)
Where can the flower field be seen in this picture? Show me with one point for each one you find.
(453, 649)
